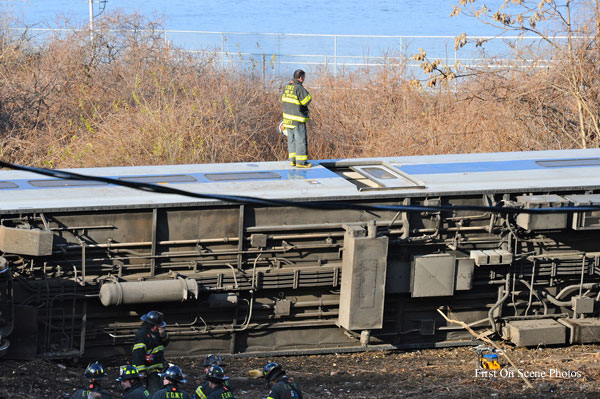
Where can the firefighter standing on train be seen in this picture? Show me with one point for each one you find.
(295, 99)
(130, 380)
(172, 377)
(94, 373)
(282, 386)
(149, 349)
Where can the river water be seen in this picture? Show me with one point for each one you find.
(358, 17)
(309, 17)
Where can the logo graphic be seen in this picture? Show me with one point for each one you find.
(487, 358)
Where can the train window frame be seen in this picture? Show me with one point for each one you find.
(242, 176)
(7, 185)
(159, 179)
(360, 173)
(60, 183)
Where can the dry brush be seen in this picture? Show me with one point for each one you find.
(129, 100)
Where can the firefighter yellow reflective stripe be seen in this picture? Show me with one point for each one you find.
(289, 126)
(295, 117)
(268, 397)
(158, 366)
(305, 100)
(199, 393)
(301, 157)
(158, 349)
(292, 154)
(290, 100)
(139, 346)
(141, 368)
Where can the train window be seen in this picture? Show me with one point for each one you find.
(65, 183)
(565, 163)
(242, 176)
(379, 173)
(7, 184)
(159, 179)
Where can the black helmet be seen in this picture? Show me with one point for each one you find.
(155, 318)
(213, 360)
(94, 372)
(174, 373)
(128, 372)
(216, 374)
(272, 371)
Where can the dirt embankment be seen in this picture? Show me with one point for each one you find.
(571, 372)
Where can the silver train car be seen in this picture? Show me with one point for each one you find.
(81, 260)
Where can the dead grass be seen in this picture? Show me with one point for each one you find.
(127, 100)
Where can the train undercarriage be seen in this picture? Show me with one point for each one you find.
(257, 279)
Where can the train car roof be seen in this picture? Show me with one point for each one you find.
(389, 177)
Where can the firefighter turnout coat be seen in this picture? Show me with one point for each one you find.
(149, 350)
(285, 388)
(295, 100)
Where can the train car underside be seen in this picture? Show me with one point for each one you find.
(247, 278)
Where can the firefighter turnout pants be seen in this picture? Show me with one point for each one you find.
(297, 144)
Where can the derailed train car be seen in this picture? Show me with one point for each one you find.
(83, 259)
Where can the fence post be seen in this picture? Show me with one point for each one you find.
(278, 54)
(455, 56)
(264, 71)
(334, 55)
(223, 49)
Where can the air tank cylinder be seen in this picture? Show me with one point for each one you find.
(127, 293)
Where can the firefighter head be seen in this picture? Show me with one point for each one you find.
(216, 376)
(94, 372)
(299, 75)
(155, 319)
(128, 375)
(173, 375)
(212, 360)
(272, 371)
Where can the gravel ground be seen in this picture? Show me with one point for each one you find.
(571, 372)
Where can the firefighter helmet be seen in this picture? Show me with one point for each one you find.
(212, 360)
(216, 374)
(174, 373)
(128, 372)
(155, 318)
(94, 371)
(272, 371)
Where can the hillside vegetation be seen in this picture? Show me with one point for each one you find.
(128, 100)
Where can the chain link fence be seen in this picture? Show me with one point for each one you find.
(277, 54)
